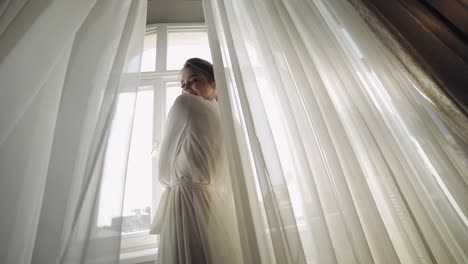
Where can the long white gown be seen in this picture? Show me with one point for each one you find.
(195, 217)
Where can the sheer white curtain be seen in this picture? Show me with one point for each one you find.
(66, 68)
(336, 156)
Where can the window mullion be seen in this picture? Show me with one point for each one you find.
(161, 48)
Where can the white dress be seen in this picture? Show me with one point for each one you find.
(195, 217)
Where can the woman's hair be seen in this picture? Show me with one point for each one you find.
(202, 66)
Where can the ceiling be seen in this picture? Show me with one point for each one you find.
(174, 11)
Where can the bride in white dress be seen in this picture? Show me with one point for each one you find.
(195, 217)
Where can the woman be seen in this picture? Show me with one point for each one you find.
(194, 212)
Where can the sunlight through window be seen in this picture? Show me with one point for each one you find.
(185, 45)
(137, 203)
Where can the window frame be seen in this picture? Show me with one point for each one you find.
(156, 80)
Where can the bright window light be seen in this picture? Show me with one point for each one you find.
(185, 45)
(137, 202)
(173, 90)
(110, 201)
(148, 59)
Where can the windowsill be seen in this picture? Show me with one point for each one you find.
(139, 256)
(136, 234)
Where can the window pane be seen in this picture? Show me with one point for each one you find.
(115, 162)
(148, 60)
(186, 45)
(173, 90)
(137, 203)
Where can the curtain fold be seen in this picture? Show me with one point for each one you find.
(454, 115)
(67, 68)
(342, 158)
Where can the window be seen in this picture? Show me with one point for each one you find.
(172, 91)
(166, 48)
(137, 197)
(182, 44)
(148, 60)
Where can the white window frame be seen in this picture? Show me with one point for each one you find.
(157, 80)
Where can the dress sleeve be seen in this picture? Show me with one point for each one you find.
(174, 132)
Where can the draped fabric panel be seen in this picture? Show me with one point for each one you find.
(66, 67)
(335, 155)
(428, 80)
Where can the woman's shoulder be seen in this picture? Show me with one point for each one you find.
(184, 98)
(183, 102)
(190, 102)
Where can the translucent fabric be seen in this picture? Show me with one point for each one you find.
(451, 112)
(66, 69)
(335, 156)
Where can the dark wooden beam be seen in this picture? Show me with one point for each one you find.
(434, 38)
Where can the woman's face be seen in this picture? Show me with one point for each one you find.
(195, 83)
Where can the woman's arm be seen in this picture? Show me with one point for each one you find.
(173, 135)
